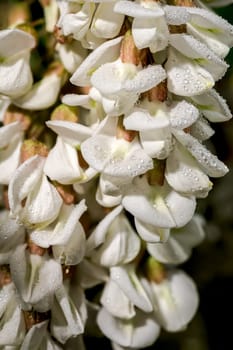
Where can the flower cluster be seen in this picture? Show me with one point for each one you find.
(102, 159)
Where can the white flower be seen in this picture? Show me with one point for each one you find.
(139, 332)
(71, 54)
(68, 313)
(113, 241)
(149, 27)
(42, 95)
(106, 23)
(11, 235)
(11, 137)
(15, 72)
(185, 175)
(159, 206)
(66, 235)
(131, 285)
(179, 245)
(121, 83)
(62, 163)
(107, 52)
(115, 156)
(175, 300)
(12, 326)
(210, 29)
(35, 277)
(29, 183)
(77, 23)
(213, 106)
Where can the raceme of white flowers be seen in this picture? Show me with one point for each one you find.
(102, 159)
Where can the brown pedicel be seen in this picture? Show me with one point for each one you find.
(66, 192)
(5, 275)
(34, 249)
(15, 114)
(33, 317)
(129, 53)
(122, 133)
(31, 148)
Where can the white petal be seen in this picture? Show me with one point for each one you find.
(78, 23)
(10, 159)
(201, 129)
(7, 132)
(116, 302)
(176, 15)
(150, 233)
(176, 301)
(15, 76)
(11, 235)
(42, 95)
(107, 52)
(36, 278)
(178, 247)
(185, 76)
(210, 39)
(43, 203)
(209, 162)
(182, 115)
(106, 23)
(115, 157)
(200, 53)
(77, 100)
(14, 42)
(136, 10)
(213, 106)
(66, 226)
(97, 237)
(71, 54)
(73, 251)
(121, 244)
(11, 318)
(25, 179)
(158, 205)
(141, 331)
(215, 31)
(128, 281)
(150, 32)
(62, 163)
(72, 133)
(66, 321)
(141, 119)
(184, 174)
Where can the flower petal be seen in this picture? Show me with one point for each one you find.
(213, 106)
(185, 76)
(182, 115)
(107, 52)
(42, 95)
(127, 279)
(24, 180)
(199, 52)
(106, 22)
(141, 331)
(14, 42)
(116, 302)
(62, 163)
(209, 162)
(184, 174)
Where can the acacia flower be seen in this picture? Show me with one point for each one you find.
(99, 201)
